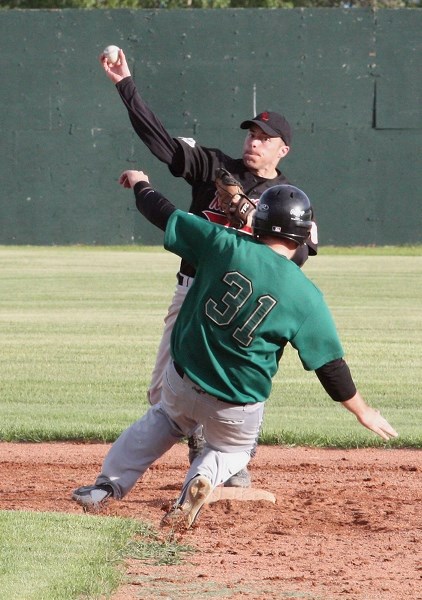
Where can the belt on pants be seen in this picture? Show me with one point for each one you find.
(184, 280)
(179, 370)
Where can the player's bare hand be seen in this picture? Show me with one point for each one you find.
(373, 420)
(117, 71)
(370, 417)
(128, 179)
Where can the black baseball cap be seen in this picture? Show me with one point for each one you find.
(273, 124)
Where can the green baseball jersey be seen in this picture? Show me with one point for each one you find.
(246, 303)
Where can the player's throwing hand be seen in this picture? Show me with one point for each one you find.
(117, 71)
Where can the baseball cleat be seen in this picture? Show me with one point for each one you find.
(242, 479)
(187, 508)
(92, 496)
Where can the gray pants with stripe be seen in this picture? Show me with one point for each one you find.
(230, 432)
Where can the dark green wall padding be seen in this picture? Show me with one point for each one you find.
(349, 81)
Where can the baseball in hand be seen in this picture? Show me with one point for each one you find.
(112, 54)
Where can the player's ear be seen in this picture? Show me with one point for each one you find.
(283, 150)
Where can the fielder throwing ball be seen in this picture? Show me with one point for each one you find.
(249, 300)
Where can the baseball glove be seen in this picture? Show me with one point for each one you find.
(232, 200)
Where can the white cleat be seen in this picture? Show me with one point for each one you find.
(187, 508)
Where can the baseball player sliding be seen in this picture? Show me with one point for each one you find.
(267, 142)
(249, 300)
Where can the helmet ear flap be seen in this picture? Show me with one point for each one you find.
(284, 211)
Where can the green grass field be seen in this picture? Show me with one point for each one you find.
(53, 556)
(79, 329)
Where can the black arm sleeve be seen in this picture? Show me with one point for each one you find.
(153, 205)
(336, 379)
(147, 126)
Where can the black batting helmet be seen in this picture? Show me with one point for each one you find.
(284, 211)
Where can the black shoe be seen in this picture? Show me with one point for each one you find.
(92, 496)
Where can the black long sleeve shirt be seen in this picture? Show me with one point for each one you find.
(196, 164)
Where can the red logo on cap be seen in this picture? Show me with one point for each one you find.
(265, 116)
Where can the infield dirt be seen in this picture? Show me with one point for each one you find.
(346, 525)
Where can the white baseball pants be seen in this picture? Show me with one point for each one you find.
(230, 431)
(163, 353)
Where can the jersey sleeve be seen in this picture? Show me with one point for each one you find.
(317, 340)
(199, 164)
(184, 157)
(153, 205)
(147, 126)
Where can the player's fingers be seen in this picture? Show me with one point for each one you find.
(384, 429)
(389, 431)
(374, 421)
(385, 426)
(382, 434)
(124, 180)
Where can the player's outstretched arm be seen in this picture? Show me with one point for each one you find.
(370, 417)
(146, 125)
(117, 71)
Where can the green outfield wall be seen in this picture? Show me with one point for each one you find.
(349, 81)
